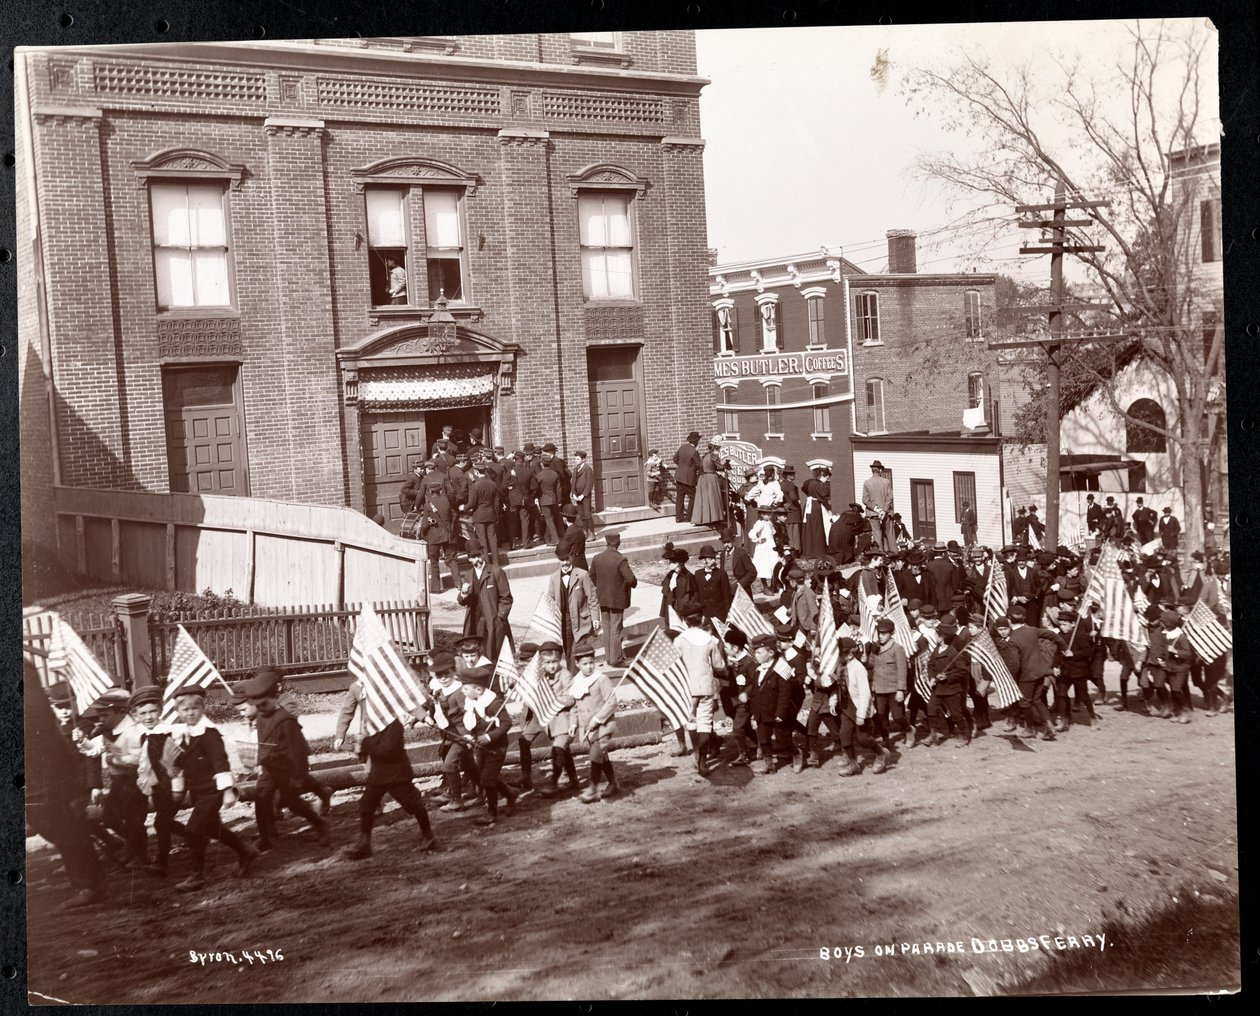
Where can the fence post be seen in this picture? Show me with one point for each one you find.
(132, 611)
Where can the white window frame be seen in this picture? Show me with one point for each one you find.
(434, 252)
(820, 413)
(771, 300)
(728, 338)
(773, 385)
(883, 418)
(978, 377)
(973, 322)
(862, 318)
(226, 248)
(628, 195)
(819, 294)
(728, 415)
(610, 42)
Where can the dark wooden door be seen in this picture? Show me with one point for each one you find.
(616, 424)
(923, 509)
(205, 446)
(392, 444)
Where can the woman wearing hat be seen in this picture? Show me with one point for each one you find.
(817, 492)
(678, 587)
(710, 507)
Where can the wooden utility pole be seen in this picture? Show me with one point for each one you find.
(1058, 225)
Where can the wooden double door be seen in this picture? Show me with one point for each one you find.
(616, 426)
(205, 430)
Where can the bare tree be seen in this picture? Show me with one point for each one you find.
(1111, 136)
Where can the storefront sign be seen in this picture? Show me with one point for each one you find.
(828, 361)
(741, 453)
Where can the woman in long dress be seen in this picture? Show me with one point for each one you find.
(710, 509)
(817, 491)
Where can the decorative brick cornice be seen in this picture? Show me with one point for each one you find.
(199, 338)
(293, 127)
(63, 116)
(677, 144)
(523, 137)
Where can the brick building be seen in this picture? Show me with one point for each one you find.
(276, 269)
(817, 362)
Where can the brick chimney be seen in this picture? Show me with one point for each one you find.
(902, 259)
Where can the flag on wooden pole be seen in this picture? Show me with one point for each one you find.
(895, 611)
(745, 615)
(661, 675)
(828, 641)
(983, 650)
(70, 659)
(190, 668)
(390, 691)
(533, 688)
(1208, 637)
(546, 625)
(1107, 586)
(922, 678)
(505, 673)
(996, 599)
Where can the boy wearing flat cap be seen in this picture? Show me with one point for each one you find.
(770, 703)
(737, 694)
(153, 779)
(489, 722)
(282, 760)
(592, 719)
(118, 744)
(389, 773)
(197, 760)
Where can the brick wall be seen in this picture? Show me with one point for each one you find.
(300, 264)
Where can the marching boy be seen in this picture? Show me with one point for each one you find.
(282, 761)
(153, 780)
(593, 720)
(199, 767)
(389, 772)
(446, 712)
(486, 718)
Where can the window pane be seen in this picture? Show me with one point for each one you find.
(617, 210)
(170, 214)
(205, 216)
(445, 279)
(594, 277)
(210, 273)
(600, 40)
(591, 220)
(385, 218)
(174, 278)
(620, 274)
(441, 219)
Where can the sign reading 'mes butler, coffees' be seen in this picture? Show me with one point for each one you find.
(826, 361)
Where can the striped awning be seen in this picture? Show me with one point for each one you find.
(447, 386)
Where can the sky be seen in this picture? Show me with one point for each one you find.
(804, 149)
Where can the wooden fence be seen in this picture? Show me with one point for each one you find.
(295, 640)
(100, 632)
(276, 553)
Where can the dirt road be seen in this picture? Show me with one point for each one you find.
(686, 887)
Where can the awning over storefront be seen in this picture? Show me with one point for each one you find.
(440, 386)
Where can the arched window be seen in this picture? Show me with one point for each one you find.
(1141, 439)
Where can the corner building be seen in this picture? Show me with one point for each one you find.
(275, 270)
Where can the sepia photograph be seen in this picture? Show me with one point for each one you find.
(623, 515)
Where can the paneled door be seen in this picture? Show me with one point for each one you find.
(617, 427)
(392, 445)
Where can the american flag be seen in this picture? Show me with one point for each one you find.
(1106, 586)
(828, 646)
(505, 672)
(533, 688)
(869, 616)
(745, 615)
(922, 677)
(996, 599)
(70, 659)
(190, 668)
(983, 650)
(1207, 635)
(390, 690)
(546, 624)
(661, 675)
(894, 610)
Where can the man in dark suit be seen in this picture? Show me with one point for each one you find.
(791, 507)
(1144, 521)
(483, 504)
(713, 587)
(614, 579)
(550, 499)
(488, 598)
(572, 545)
(737, 563)
(584, 492)
(549, 457)
(968, 523)
(1093, 516)
(1019, 528)
(1024, 586)
(687, 459)
(1169, 530)
(944, 579)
